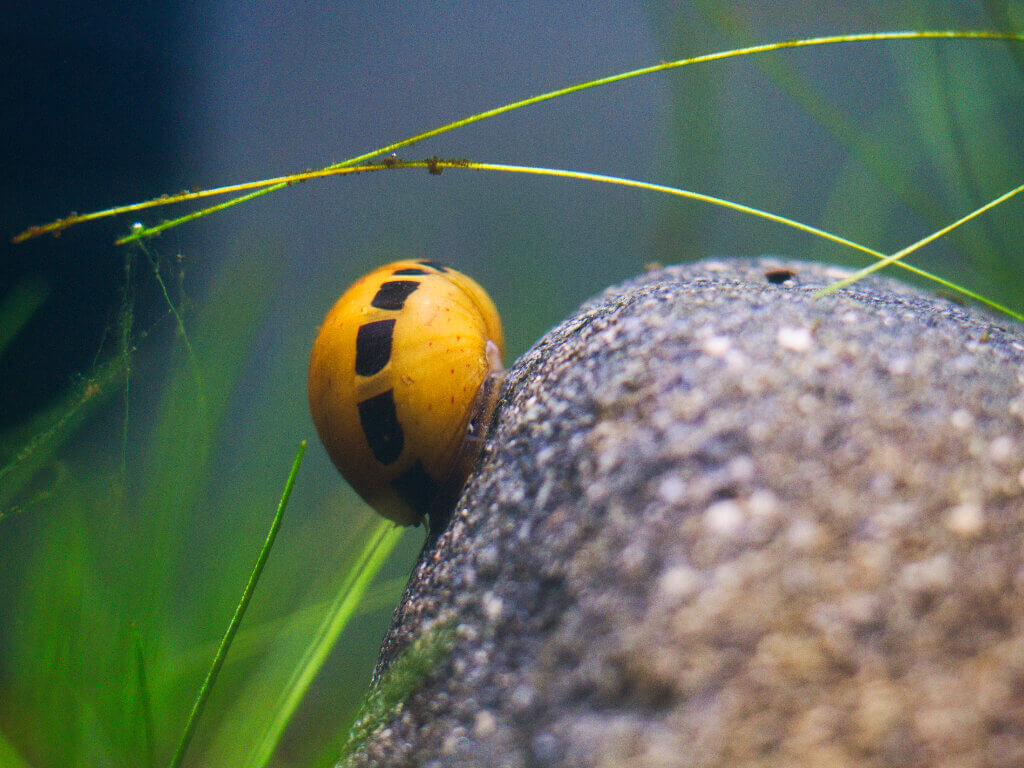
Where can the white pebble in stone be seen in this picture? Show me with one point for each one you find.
(931, 575)
(966, 519)
(672, 490)
(795, 339)
(900, 366)
(804, 535)
(716, 346)
(724, 518)
(484, 723)
(762, 504)
(493, 606)
(1002, 450)
(961, 419)
(678, 582)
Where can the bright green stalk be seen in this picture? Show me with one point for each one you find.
(270, 185)
(895, 258)
(236, 619)
(345, 605)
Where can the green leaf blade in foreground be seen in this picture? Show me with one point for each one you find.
(348, 600)
(236, 619)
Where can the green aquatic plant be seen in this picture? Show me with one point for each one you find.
(32, 448)
(436, 165)
(229, 635)
(345, 605)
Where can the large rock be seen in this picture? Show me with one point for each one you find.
(722, 523)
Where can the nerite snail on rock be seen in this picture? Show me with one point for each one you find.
(403, 376)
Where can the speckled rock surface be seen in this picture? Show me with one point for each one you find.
(721, 524)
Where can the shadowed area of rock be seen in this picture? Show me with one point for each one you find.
(721, 523)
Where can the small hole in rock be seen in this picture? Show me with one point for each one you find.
(778, 276)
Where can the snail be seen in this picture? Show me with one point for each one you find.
(403, 378)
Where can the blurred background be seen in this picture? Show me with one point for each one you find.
(140, 466)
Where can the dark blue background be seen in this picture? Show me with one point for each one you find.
(90, 93)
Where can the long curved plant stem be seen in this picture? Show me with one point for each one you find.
(436, 165)
(271, 185)
(895, 258)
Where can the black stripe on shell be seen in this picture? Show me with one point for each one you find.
(373, 346)
(393, 293)
(433, 264)
(416, 488)
(379, 421)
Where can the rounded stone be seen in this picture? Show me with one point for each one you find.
(721, 522)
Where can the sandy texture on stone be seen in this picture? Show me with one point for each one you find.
(721, 524)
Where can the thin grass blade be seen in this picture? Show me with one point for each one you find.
(895, 257)
(236, 619)
(347, 602)
(271, 185)
(17, 308)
